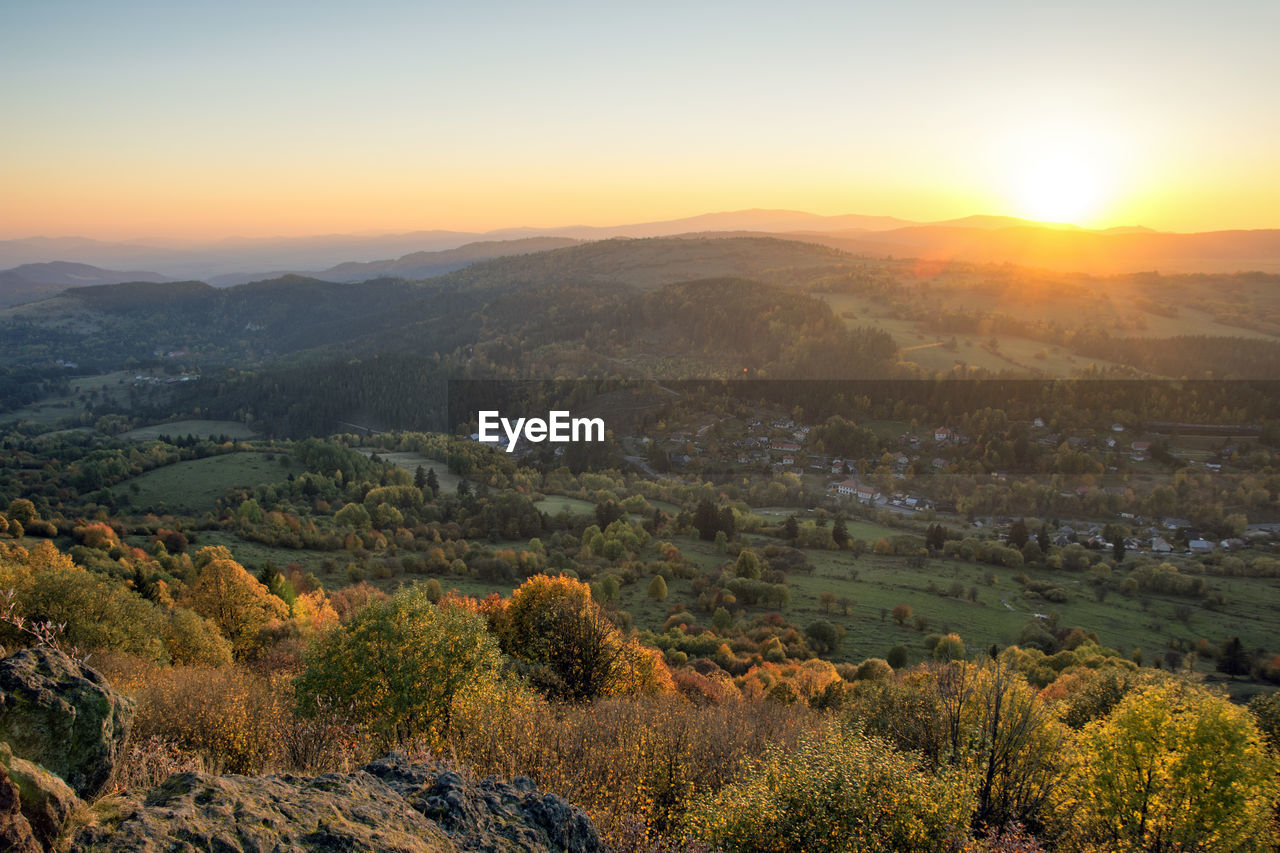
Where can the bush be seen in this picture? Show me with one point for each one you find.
(836, 791)
(398, 665)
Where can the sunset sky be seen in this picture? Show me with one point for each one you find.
(203, 120)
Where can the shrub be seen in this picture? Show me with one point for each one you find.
(836, 791)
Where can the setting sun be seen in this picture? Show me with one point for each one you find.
(1059, 187)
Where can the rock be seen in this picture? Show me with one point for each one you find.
(492, 815)
(15, 831)
(196, 811)
(62, 716)
(388, 805)
(47, 801)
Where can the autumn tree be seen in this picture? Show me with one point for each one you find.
(1172, 768)
(567, 647)
(233, 599)
(399, 665)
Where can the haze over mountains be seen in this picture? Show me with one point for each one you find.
(43, 266)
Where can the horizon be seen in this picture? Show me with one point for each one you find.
(508, 233)
(196, 123)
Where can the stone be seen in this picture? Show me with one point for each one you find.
(388, 805)
(47, 801)
(15, 831)
(63, 716)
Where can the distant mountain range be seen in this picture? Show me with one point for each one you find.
(30, 282)
(423, 254)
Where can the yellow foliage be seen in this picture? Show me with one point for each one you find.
(235, 601)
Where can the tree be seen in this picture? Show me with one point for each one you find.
(747, 565)
(234, 600)
(1233, 659)
(726, 522)
(824, 637)
(827, 599)
(902, 613)
(791, 528)
(433, 482)
(563, 642)
(398, 665)
(897, 657)
(1018, 534)
(835, 791)
(1118, 548)
(1042, 538)
(657, 588)
(949, 648)
(420, 478)
(353, 515)
(1172, 768)
(840, 532)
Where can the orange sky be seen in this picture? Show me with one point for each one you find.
(144, 120)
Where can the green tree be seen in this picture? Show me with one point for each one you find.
(949, 648)
(1172, 768)
(1233, 658)
(836, 791)
(840, 532)
(398, 665)
(747, 565)
(824, 637)
(1018, 535)
(657, 588)
(353, 515)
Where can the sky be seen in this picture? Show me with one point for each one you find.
(198, 120)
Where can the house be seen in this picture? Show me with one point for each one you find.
(1117, 428)
(1160, 546)
(788, 460)
(1038, 423)
(1140, 446)
(866, 494)
(847, 488)
(939, 462)
(785, 446)
(1201, 546)
(837, 467)
(901, 460)
(942, 434)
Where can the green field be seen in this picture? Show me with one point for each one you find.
(110, 387)
(556, 504)
(194, 486)
(410, 461)
(200, 429)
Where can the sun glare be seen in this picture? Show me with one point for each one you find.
(1059, 188)
(1059, 174)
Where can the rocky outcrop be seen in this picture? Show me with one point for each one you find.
(388, 805)
(47, 801)
(491, 815)
(63, 716)
(15, 830)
